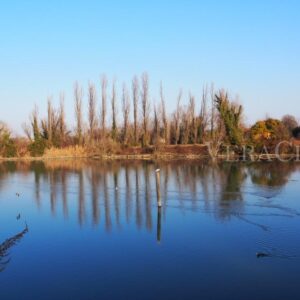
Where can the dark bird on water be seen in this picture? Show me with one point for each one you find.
(18, 217)
(17, 194)
(262, 254)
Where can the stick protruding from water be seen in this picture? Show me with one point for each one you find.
(157, 175)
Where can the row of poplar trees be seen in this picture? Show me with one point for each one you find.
(140, 122)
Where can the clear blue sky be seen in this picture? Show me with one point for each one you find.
(251, 48)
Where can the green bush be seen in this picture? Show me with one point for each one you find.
(10, 149)
(37, 148)
(7, 145)
(268, 133)
(296, 133)
(231, 115)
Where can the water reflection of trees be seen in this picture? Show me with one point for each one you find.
(273, 174)
(123, 192)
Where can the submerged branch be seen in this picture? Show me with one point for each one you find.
(6, 245)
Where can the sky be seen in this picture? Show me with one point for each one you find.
(250, 48)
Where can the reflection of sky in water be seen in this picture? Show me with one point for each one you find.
(95, 227)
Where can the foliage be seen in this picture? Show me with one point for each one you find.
(37, 147)
(296, 132)
(268, 133)
(231, 114)
(8, 147)
(7, 144)
(290, 123)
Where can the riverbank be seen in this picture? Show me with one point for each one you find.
(169, 152)
(161, 156)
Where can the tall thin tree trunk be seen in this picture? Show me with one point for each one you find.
(177, 118)
(62, 120)
(164, 116)
(145, 108)
(92, 112)
(126, 110)
(78, 93)
(114, 132)
(50, 120)
(135, 99)
(103, 106)
(213, 112)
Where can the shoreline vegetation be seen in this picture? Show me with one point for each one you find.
(130, 125)
(167, 153)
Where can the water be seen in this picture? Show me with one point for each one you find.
(92, 230)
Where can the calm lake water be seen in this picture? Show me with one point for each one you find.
(92, 230)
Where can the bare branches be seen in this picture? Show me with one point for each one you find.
(35, 124)
(62, 119)
(177, 117)
(114, 130)
(145, 108)
(135, 99)
(78, 94)
(27, 130)
(126, 111)
(213, 111)
(164, 116)
(49, 120)
(189, 124)
(92, 111)
(103, 106)
(203, 118)
(156, 131)
(192, 121)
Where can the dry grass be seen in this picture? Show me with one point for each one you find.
(71, 151)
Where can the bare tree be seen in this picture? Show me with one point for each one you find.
(135, 99)
(164, 116)
(50, 125)
(217, 131)
(50, 120)
(185, 133)
(203, 118)
(31, 129)
(177, 118)
(145, 108)
(27, 130)
(103, 106)
(290, 123)
(62, 119)
(213, 111)
(114, 130)
(156, 128)
(92, 111)
(191, 120)
(78, 94)
(126, 111)
(3, 127)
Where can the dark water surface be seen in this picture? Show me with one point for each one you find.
(92, 230)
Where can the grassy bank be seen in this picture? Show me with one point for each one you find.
(148, 153)
(165, 152)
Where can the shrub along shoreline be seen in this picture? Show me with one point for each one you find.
(169, 152)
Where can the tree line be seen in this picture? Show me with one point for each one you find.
(133, 120)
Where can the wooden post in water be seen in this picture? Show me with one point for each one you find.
(158, 232)
(157, 173)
